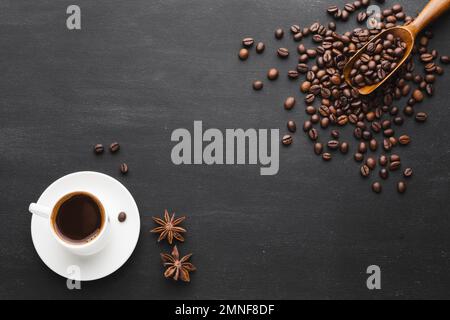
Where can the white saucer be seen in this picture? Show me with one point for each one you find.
(124, 236)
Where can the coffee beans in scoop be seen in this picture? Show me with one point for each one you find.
(378, 60)
(376, 120)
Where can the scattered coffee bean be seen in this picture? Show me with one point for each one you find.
(243, 54)
(313, 134)
(445, 59)
(421, 117)
(122, 217)
(283, 53)
(318, 148)
(371, 163)
(408, 172)
(384, 174)
(418, 95)
(376, 187)
(293, 74)
(401, 187)
(287, 140)
(344, 147)
(289, 103)
(404, 140)
(124, 168)
(272, 74)
(358, 157)
(393, 166)
(260, 47)
(98, 148)
(333, 144)
(292, 127)
(326, 156)
(248, 42)
(383, 160)
(114, 147)
(279, 33)
(365, 170)
(258, 85)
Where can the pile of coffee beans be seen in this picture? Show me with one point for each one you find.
(330, 102)
(113, 148)
(379, 59)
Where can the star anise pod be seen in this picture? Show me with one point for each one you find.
(169, 227)
(177, 268)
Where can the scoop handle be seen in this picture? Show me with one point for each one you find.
(432, 11)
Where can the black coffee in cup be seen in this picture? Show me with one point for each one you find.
(78, 218)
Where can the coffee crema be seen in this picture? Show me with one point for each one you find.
(78, 218)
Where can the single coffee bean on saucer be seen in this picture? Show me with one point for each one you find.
(122, 217)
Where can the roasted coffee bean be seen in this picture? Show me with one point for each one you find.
(362, 16)
(307, 125)
(333, 144)
(393, 166)
(394, 157)
(384, 174)
(298, 36)
(373, 145)
(114, 147)
(122, 217)
(401, 187)
(243, 54)
(387, 145)
(310, 110)
(124, 168)
(398, 121)
(313, 134)
(335, 134)
(426, 57)
(258, 85)
(421, 117)
(376, 187)
(287, 140)
(408, 172)
(289, 103)
(279, 33)
(315, 118)
(260, 47)
(445, 59)
(283, 52)
(389, 132)
(292, 127)
(383, 160)
(318, 148)
(404, 139)
(272, 74)
(408, 110)
(362, 148)
(344, 147)
(326, 156)
(332, 9)
(324, 122)
(295, 29)
(293, 74)
(418, 95)
(302, 68)
(248, 42)
(98, 148)
(358, 157)
(371, 163)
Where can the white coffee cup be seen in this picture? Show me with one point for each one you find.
(85, 248)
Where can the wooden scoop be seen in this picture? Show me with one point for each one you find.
(408, 33)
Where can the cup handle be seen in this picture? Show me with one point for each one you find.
(39, 210)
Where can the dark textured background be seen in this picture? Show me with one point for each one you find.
(140, 69)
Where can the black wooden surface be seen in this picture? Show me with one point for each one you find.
(138, 70)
